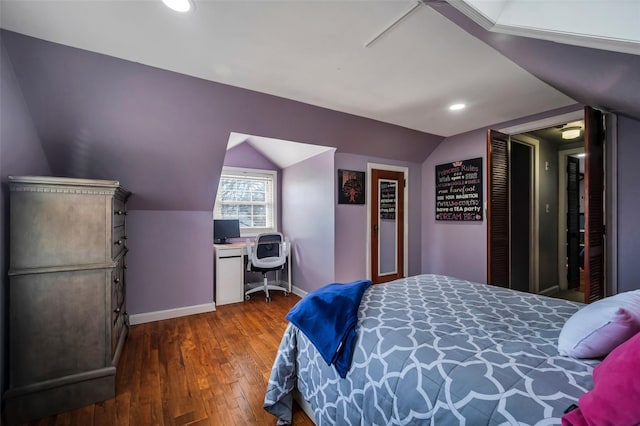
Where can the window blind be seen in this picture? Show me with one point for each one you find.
(248, 197)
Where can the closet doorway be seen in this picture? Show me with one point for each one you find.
(507, 203)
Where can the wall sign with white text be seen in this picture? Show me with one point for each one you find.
(459, 190)
(388, 199)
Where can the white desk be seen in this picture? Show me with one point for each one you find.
(229, 274)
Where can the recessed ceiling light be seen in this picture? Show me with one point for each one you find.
(178, 5)
(457, 107)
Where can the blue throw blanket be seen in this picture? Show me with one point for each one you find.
(328, 317)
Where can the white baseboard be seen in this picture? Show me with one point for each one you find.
(171, 313)
(550, 290)
(298, 291)
(187, 310)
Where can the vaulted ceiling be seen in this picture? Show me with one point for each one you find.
(327, 53)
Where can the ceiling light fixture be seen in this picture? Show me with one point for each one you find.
(457, 107)
(570, 132)
(179, 5)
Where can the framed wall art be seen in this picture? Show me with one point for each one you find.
(459, 190)
(351, 187)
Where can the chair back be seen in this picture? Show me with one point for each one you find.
(269, 250)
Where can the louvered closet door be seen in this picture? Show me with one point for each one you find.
(593, 195)
(498, 209)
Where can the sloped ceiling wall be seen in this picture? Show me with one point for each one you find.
(600, 78)
(164, 135)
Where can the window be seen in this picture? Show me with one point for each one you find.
(250, 196)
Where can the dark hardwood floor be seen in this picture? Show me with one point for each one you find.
(207, 369)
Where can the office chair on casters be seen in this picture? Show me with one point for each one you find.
(269, 253)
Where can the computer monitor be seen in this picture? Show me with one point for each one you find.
(223, 229)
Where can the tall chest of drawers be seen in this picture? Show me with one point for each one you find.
(67, 293)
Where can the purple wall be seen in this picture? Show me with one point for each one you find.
(175, 273)
(308, 219)
(456, 248)
(453, 248)
(20, 154)
(628, 204)
(244, 155)
(164, 136)
(351, 221)
(460, 249)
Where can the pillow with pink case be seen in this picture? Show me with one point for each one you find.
(615, 397)
(596, 329)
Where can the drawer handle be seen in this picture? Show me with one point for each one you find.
(120, 212)
(119, 242)
(116, 311)
(117, 280)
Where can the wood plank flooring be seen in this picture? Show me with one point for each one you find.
(206, 369)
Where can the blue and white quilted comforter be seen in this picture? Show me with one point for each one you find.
(437, 350)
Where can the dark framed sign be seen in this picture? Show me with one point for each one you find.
(350, 187)
(388, 199)
(459, 194)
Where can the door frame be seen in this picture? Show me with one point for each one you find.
(611, 182)
(534, 213)
(611, 203)
(405, 171)
(562, 216)
(528, 127)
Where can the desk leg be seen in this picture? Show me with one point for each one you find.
(289, 271)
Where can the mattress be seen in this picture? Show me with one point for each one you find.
(432, 349)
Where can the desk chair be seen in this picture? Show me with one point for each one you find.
(269, 253)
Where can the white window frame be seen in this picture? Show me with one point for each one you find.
(273, 174)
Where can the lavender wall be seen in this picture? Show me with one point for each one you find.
(309, 221)
(459, 249)
(164, 136)
(175, 275)
(244, 155)
(453, 248)
(628, 204)
(351, 221)
(20, 154)
(456, 248)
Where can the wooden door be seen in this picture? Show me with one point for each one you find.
(387, 225)
(593, 205)
(498, 233)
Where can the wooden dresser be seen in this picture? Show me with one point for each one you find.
(67, 293)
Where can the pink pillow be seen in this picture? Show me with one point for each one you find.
(615, 397)
(596, 329)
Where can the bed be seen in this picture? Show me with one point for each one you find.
(432, 349)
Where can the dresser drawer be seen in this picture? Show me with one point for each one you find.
(119, 241)
(119, 212)
(223, 253)
(117, 292)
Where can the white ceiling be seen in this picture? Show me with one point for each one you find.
(309, 51)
